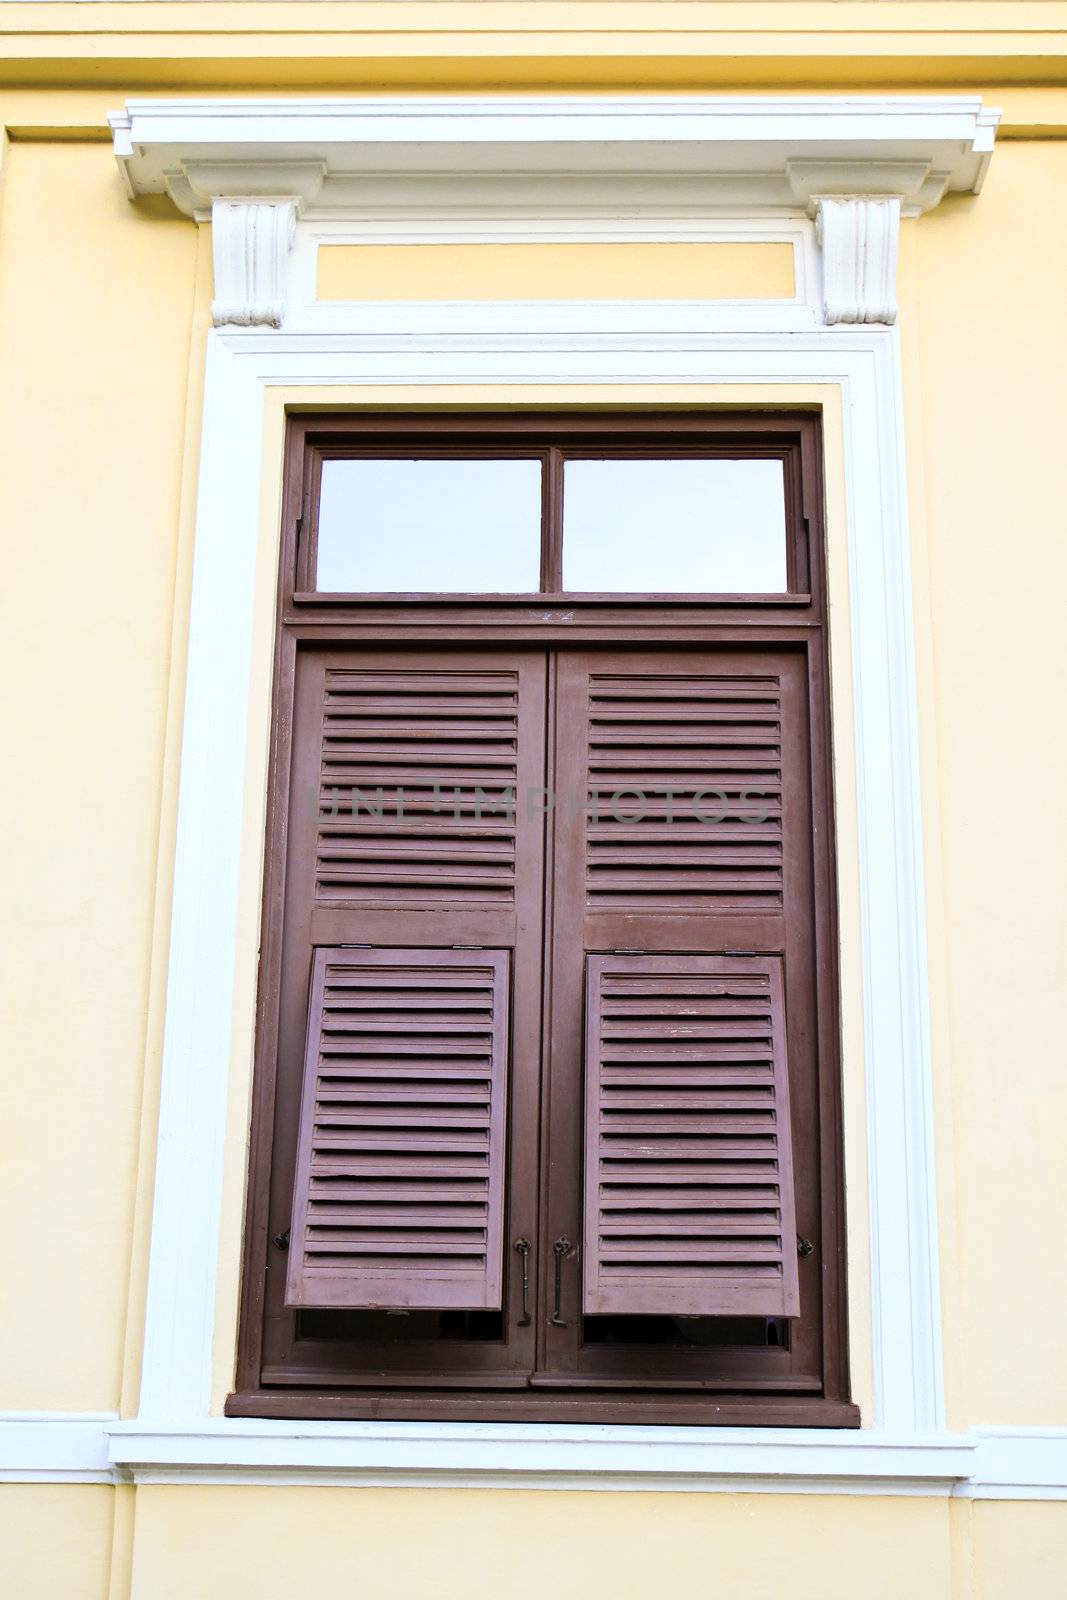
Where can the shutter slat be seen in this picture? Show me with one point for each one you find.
(398, 1195)
(689, 1205)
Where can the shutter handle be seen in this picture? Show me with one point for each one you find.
(561, 1248)
(804, 1247)
(523, 1247)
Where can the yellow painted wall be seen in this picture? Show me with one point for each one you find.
(743, 271)
(95, 302)
(55, 1540)
(462, 1544)
(985, 366)
(62, 1542)
(101, 324)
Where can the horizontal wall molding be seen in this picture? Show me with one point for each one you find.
(985, 1464)
(56, 1447)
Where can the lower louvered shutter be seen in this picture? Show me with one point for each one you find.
(398, 1200)
(689, 1205)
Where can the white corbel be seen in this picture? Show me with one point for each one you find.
(857, 205)
(858, 235)
(251, 240)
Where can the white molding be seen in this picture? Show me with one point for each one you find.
(251, 241)
(96, 1447)
(1018, 1464)
(552, 1456)
(858, 235)
(613, 348)
(507, 159)
(56, 1447)
(433, 226)
(739, 146)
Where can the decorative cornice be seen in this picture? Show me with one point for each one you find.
(253, 166)
(744, 150)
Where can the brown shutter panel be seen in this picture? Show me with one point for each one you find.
(684, 775)
(447, 742)
(398, 1200)
(689, 1205)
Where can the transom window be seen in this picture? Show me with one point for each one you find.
(560, 521)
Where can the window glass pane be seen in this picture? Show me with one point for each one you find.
(674, 527)
(426, 526)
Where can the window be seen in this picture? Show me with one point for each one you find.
(546, 1117)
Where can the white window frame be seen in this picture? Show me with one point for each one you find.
(173, 1427)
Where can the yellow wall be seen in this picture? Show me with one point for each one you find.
(462, 1544)
(55, 1540)
(743, 271)
(984, 369)
(101, 338)
(95, 301)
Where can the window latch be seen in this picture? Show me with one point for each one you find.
(561, 1248)
(523, 1247)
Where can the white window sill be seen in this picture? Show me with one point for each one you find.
(522, 1455)
(989, 1463)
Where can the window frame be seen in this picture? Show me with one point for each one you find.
(797, 620)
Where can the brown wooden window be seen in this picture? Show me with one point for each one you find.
(546, 1118)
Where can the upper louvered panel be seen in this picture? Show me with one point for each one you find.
(689, 1205)
(684, 792)
(417, 782)
(398, 1198)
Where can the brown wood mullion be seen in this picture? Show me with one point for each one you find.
(552, 522)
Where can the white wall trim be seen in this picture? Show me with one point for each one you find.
(620, 347)
(547, 1456)
(1018, 1464)
(56, 1447)
(95, 1447)
(744, 149)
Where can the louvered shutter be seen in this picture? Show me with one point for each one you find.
(399, 1178)
(689, 1206)
(418, 773)
(684, 772)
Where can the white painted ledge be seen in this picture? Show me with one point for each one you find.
(1018, 1464)
(541, 1456)
(989, 1463)
(56, 1447)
